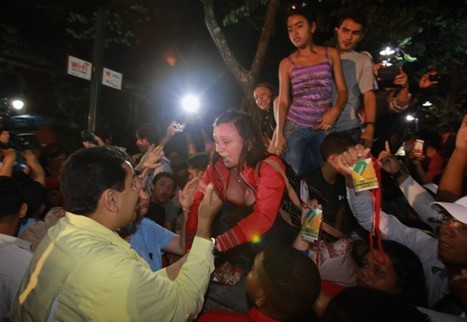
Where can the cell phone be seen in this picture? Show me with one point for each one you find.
(386, 76)
(418, 147)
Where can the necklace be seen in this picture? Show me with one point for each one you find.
(237, 176)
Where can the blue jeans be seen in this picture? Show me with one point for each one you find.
(303, 148)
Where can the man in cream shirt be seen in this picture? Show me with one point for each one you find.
(83, 270)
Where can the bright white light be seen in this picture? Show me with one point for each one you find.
(388, 51)
(190, 103)
(17, 104)
(410, 118)
(427, 103)
(386, 63)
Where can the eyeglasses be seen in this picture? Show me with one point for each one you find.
(451, 221)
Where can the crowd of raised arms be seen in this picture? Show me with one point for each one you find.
(320, 207)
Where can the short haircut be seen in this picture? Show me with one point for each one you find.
(53, 150)
(336, 143)
(104, 133)
(291, 281)
(199, 161)
(163, 174)
(10, 197)
(445, 128)
(34, 195)
(354, 15)
(88, 173)
(147, 131)
(409, 271)
(365, 304)
(253, 149)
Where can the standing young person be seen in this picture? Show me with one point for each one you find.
(305, 111)
(361, 83)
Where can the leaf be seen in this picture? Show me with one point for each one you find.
(409, 58)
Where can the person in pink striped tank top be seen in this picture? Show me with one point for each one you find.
(305, 113)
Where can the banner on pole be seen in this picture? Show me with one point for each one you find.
(112, 79)
(79, 68)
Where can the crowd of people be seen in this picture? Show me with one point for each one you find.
(198, 229)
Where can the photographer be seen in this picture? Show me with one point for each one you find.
(393, 98)
(31, 166)
(394, 88)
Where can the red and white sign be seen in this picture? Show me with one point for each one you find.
(79, 68)
(111, 78)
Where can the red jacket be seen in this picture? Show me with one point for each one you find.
(268, 189)
(253, 315)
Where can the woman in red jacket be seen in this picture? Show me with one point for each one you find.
(251, 191)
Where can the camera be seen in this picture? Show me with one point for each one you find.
(179, 127)
(19, 128)
(386, 76)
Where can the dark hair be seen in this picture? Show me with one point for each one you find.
(301, 9)
(163, 174)
(445, 128)
(291, 281)
(104, 133)
(198, 161)
(34, 195)
(270, 87)
(354, 15)
(53, 150)
(147, 131)
(409, 271)
(10, 197)
(336, 143)
(365, 304)
(253, 149)
(431, 138)
(88, 173)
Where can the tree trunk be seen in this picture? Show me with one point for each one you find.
(246, 79)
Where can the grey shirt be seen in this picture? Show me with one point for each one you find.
(358, 74)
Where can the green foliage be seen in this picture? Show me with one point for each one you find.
(77, 19)
(241, 10)
(429, 34)
(119, 20)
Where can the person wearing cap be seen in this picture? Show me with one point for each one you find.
(452, 245)
(437, 268)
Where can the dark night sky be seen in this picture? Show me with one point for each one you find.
(174, 55)
(177, 30)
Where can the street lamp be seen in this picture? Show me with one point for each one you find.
(17, 104)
